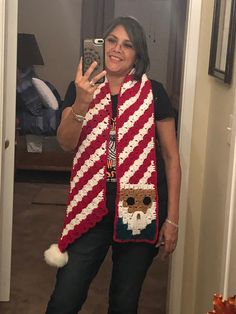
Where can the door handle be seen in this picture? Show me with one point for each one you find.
(7, 143)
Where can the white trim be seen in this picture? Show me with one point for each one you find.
(8, 133)
(174, 302)
(2, 42)
(230, 218)
(2, 32)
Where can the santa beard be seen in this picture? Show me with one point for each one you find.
(138, 220)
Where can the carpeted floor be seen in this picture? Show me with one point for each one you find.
(38, 215)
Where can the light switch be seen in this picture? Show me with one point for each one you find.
(229, 129)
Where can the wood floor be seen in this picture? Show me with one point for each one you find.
(38, 214)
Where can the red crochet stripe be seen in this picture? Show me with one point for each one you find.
(84, 180)
(86, 200)
(143, 168)
(131, 110)
(89, 127)
(82, 228)
(129, 135)
(136, 152)
(88, 152)
(100, 115)
(130, 91)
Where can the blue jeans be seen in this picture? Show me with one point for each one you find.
(130, 264)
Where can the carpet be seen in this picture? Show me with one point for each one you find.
(51, 195)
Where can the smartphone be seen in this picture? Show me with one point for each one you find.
(93, 50)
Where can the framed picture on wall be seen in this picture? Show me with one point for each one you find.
(223, 40)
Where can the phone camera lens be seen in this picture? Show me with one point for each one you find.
(88, 60)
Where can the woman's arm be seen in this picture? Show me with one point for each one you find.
(69, 130)
(169, 148)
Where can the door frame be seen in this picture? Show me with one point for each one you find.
(8, 48)
(229, 252)
(188, 88)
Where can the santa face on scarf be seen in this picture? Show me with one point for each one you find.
(137, 207)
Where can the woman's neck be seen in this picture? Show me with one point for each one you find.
(115, 83)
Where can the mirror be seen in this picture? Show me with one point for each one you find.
(223, 40)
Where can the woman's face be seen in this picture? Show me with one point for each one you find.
(120, 54)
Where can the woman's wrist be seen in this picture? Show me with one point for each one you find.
(171, 222)
(77, 116)
(79, 109)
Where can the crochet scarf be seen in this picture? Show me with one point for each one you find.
(136, 217)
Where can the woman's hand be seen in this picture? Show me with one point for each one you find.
(69, 130)
(85, 88)
(168, 238)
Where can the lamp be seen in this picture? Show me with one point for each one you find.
(28, 53)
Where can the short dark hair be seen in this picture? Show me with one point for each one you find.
(137, 36)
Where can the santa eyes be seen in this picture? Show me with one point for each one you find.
(130, 201)
(146, 200)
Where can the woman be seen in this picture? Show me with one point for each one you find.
(116, 201)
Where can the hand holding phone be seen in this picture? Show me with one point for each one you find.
(93, 50)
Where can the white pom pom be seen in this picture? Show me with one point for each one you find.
(54, 257)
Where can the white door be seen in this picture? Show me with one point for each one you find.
(8, 42)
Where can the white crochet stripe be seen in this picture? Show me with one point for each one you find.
(100, 87)
(135, 116)
(137, 163)
(86, 188)
(96, 109)
(132, 144)
(131, 186)
(127, 86)
(129, 102)
(83, 215)
(89, 163)
(147, 174)
(91, 137)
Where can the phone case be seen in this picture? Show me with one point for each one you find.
(93, 50)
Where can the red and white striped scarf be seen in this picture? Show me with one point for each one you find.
(136, 216)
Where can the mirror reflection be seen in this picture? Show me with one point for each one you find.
(223, 34)
(58, 27)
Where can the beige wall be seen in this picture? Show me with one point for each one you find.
(56, 24)
(208, 180)
(155, 18)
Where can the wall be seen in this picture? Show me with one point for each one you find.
(154, 16)
(56, 24)
(208, 181)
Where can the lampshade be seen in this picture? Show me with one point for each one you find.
(28, 53)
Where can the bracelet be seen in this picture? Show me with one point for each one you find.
(77, 116)
(172, 223)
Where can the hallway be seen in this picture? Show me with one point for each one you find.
(38, 214)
